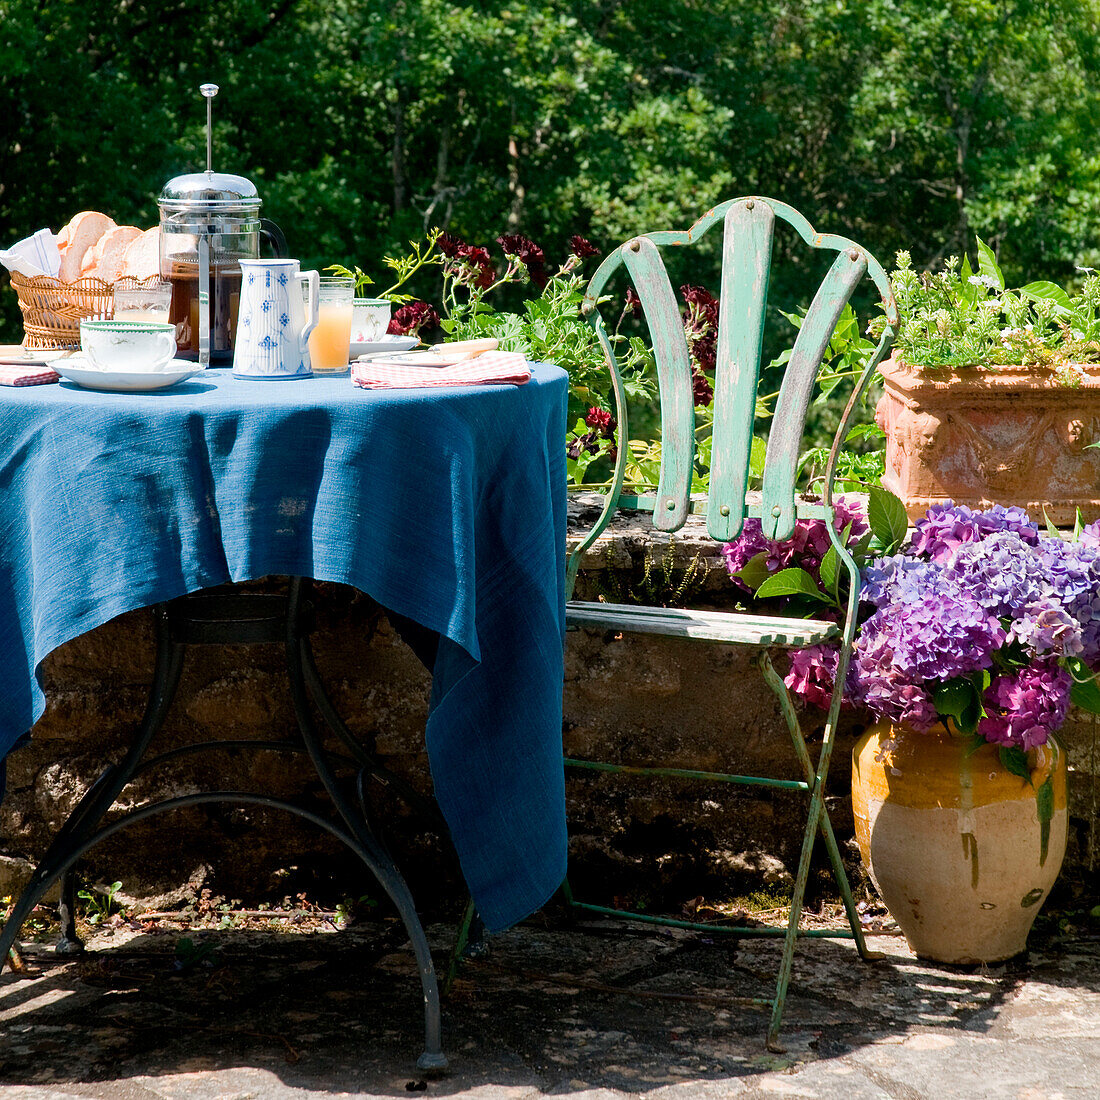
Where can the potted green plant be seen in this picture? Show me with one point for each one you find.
(992, 394)
(370, 317)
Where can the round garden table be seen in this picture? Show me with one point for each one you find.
(446, 505)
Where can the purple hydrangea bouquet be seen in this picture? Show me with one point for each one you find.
(976, 619)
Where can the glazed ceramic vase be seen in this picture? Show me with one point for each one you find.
(962, 851)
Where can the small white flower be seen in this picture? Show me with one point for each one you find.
(984, 280)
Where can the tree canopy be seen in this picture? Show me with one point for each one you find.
(902, 123)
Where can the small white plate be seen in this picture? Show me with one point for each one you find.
(387, 343)
(79, 370)
(18, 356)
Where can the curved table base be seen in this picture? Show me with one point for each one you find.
(224, 619)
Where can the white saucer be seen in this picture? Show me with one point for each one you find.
(387, 343)
(79, 370)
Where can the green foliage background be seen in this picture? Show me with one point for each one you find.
(901, 123)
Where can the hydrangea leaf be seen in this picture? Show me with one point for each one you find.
(886, 517)
(830, 573)
(1014, 760)
(959, 700)
(755, 571)
(791, 582)
(1084, 693)
(1051, 529)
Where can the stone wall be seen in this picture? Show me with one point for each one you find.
(636, 700)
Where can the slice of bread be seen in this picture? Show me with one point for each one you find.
(76, 238)
(142, 258)
(104, 258)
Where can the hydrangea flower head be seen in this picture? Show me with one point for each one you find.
(1023, 708)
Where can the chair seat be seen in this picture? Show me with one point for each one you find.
(703, 626)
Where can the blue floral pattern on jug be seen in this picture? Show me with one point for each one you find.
(272, 328)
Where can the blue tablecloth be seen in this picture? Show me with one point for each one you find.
(447, 506)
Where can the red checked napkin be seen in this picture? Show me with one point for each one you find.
(490, 368)
(34, 374)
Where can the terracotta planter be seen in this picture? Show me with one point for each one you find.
(954, 843)
(1011, 436)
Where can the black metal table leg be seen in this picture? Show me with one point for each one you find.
(214, 617)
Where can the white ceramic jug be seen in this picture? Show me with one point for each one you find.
(272, 338)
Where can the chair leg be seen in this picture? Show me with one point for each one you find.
(787, 961)
(817, 819)
(775, 682)
(470, 943)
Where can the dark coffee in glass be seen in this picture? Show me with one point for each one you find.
(225, 296)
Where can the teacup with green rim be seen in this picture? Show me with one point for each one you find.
(128, 346)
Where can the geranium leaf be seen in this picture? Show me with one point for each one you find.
(1015, 761)
(791, 582)
(886, 517)
(755, 571)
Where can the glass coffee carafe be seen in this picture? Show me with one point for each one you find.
(209, 222)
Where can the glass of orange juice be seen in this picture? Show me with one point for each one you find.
(330, 341)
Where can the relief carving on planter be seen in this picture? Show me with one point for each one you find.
(1013, 438)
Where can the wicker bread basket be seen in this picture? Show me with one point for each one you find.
(53, 310)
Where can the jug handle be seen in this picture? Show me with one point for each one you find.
(274, 236)
(314, 281)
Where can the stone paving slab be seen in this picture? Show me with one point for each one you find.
(589, 1012)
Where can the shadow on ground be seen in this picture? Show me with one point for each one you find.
(553, 1009)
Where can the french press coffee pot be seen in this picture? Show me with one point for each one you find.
(209, 222)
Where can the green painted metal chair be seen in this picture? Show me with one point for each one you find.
(749, 225)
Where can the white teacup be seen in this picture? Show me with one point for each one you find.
(370, 317)
(128, 345)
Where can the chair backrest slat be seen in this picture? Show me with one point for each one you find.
(666, 331)
(746, 265)
(749, 224)
(796, 389)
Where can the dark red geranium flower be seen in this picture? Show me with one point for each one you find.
(705, 350)
(479, 260)
(702, 303)
(410, 319)
(528, 253)
(515, 244)
(450, 245)
(589, 442)
(600, 419)
(581, 247)
(633, 302)
(701, 389)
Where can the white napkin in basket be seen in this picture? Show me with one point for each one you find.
(37, 254)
